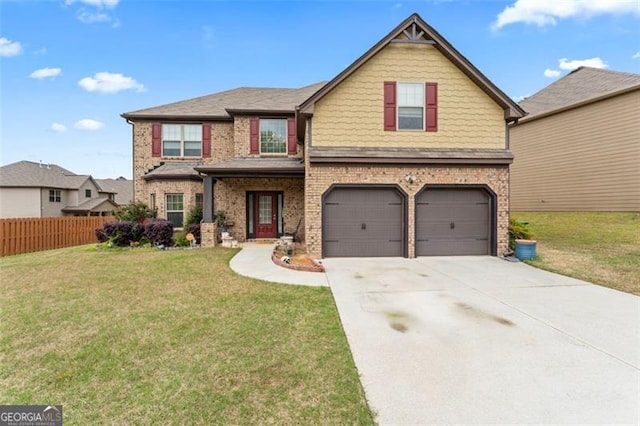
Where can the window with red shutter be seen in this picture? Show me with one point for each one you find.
(292, 143)
(431, 107)
(156, 139)
(390, 106)
(206, 140)
(254, 136)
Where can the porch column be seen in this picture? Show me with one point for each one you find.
(207, 227)
(207, 202)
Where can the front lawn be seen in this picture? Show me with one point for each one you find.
(603, 248)
(170, 337)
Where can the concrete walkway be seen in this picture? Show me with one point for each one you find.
(479, 340)
(254, 261)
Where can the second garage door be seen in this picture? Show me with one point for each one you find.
(453, 221)
(363, 222)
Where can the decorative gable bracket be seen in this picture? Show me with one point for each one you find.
(412, 34)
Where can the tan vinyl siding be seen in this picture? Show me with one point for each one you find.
(583, 159)
(352, 113)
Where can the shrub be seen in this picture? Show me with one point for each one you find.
(135, 212)
(518, 231)
(159, 232)
(120, 233)
(194, 216)
(194, 229)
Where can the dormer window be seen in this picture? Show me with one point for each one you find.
(181, 140)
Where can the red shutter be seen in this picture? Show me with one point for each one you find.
(156, 139)
(254, 136)
(292, 143)
(431, 104)
(390, 106)
(206, 140)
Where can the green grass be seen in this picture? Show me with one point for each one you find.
(170, 337)
(603, 248)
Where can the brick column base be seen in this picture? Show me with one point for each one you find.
(208, 234)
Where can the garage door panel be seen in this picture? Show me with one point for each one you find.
(363, 222)
(452, 221)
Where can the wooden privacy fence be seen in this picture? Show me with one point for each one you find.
(26, 235)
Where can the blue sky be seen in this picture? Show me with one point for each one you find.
(70, 68)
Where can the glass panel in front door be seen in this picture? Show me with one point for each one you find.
(265, 210)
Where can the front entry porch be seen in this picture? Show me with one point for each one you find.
(260, 198)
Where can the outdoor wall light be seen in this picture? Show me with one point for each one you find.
(410, 178)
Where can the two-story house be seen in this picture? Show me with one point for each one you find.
(404, 153)
(29, 189)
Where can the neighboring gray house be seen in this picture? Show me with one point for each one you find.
(29, 189)
(578, 149)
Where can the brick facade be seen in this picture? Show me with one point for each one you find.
(320, 178)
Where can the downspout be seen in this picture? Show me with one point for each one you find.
(133, 162)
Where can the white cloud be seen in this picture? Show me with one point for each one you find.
(548, 12)
(551, 73)
(57, 127)
(636, 55)
(45, 73)
(566, 64)
(88, 124)
(9, 48)
(87, 17)
(109, 4)
(41, 51)
(106, 82)
(520, 98)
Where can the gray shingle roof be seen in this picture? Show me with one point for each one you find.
(123, 188)
(29, 174)
(257, 164)
(92, 205)
(242, 98)
(579, 85)
(174, 170)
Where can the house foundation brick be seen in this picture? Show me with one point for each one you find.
(208, 234)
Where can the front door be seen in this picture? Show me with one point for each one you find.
(266, 214)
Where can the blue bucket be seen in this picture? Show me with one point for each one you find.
(525, 249)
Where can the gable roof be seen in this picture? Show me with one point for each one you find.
(94, 204)
(123, 188)
(223, 105)
(28, 174)
(580, 85)
(425, 35)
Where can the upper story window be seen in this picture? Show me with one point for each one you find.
(55, 196)
(410, 106)
(181, 140)
(87, 193)
(273, 136)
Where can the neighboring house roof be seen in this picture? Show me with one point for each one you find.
(174, 171)
(425, 34)
(28, 174)
(121, 187)
(580, 85)
(94, 204)
(223, 105)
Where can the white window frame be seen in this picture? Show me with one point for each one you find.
(399, 105)
(284, 152)
(167, 210)
(182, 140)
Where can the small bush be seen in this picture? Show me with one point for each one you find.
(159, 232)
(194, 229)
(181, 240)
(120, 233)
(518, 231)
(194, 216)
(135, 212)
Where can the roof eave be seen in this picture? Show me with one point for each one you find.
(262, 112)
(176, 117)
(172, 177)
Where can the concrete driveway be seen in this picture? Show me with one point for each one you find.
(483, 340)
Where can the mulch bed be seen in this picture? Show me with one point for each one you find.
(299, 260)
